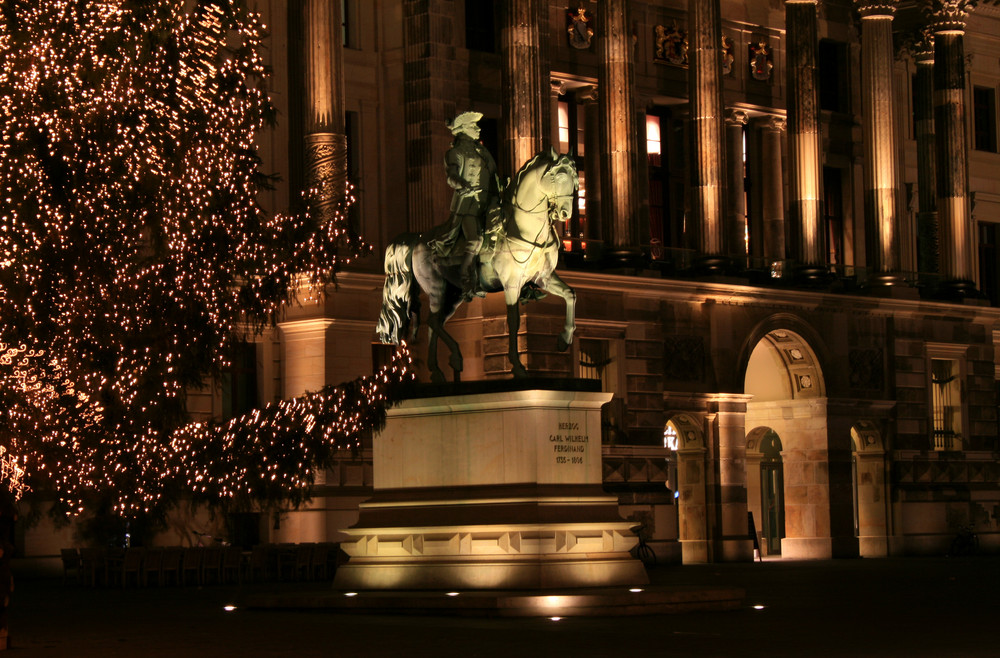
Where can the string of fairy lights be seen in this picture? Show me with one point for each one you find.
(134, 256)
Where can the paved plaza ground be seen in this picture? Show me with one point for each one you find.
(863, 607)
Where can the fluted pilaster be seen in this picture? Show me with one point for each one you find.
(923, 115)
(954, 219)
(736, 206)
(804, 137)
(773, 193)
(707, 164)
(325, 141)
(618, 129)
(524, 89)
(434, 83)
(881, 194)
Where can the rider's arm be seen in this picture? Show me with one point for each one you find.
(453, 165)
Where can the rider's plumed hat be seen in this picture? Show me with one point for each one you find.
(464, 119)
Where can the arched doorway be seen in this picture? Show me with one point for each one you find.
(790, 473)
(871, 505)
(766, 494)
(687, 443)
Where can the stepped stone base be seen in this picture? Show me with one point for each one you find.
(498, 490)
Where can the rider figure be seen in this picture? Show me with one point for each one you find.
(472, 173)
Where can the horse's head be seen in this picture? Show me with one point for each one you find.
(560, 183)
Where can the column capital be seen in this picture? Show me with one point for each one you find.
(586, 94)
(558, 87)
(735, 117)
(875, 8)
(922, 48)
(948, 15)
(773, 123)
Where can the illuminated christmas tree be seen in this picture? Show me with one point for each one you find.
(134, 256)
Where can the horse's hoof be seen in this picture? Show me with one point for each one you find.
(456, 363)
(562, 344)
(437, 377)
(518, 371)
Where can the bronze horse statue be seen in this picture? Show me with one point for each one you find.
(520, 261)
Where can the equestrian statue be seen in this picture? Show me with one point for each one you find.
(494, 240)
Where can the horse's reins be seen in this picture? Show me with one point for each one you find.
(534, 243)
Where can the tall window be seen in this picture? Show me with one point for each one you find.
(572, 122)
(984, 118)
(598, 359)
(665, 152)
(834, 92)
(989, 261)
(946, 403)
(657, 209)
(480, 25)
(239, 383)
(597, 362)
(348, 24)
(352, 130)
(833, 214)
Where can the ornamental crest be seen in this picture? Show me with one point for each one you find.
(728, 55)
(671, 45)
(761, 61)
(578, 28)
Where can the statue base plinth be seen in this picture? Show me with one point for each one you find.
(498, 490)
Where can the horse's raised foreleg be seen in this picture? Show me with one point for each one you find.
(559, 288)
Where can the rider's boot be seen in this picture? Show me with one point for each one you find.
(470, 271)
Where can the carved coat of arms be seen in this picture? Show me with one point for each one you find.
(671, 45)
(728, 56)
(761, 61)
(579, 30)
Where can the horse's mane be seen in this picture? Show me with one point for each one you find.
(545, 159)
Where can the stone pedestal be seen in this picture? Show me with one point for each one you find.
(497, 490)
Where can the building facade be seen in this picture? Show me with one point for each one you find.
(785, 247)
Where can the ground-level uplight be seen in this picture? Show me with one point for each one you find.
(350, 593)
(759, 607)
(452, 594)
(229, 608)
(555, 618)
(635, 590)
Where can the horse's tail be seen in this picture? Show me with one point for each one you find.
(397, 294)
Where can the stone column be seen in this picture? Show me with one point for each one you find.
(923, 114)
(705, 92)
(692, 505)
(728, 428)
(523, 86)
(325, 141)
(954, 219)
(592, 163)
(773, 193)
(873, 526)
(804, 165)
(736, 208)
(619, 143)
(879, 138)
(304, 351)
(556, 89)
